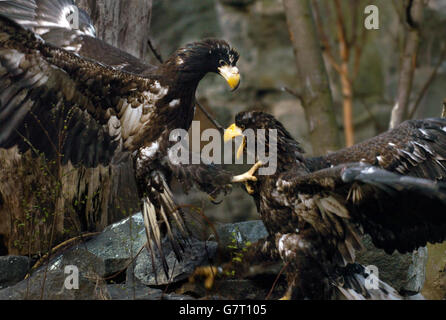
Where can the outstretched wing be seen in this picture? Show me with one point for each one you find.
(416, 148)
(58, 103)
(53, 21)
(399, 212)
(42, 16)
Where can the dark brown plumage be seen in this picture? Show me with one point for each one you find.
(316, 209)
(67, 95)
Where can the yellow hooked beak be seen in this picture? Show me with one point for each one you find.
(232, 76)
(231, 133)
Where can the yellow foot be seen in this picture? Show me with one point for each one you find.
(287, 296)
(208, 272)
(249, 188)
(248, 176)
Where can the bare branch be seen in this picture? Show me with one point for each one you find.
(408, 65)
(428, 83)
(155, 51)
(316, 94)
(212, 119)
(294, 93)
(327, 49)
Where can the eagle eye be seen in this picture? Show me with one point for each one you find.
(221, 63)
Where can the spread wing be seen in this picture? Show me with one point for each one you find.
(41, 16)
(53, 21)
(399, 212)
(58, 103)
(416, 148)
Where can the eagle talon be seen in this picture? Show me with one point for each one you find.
(287, 296)
(249, 175)
(208, 272)
(249, 188)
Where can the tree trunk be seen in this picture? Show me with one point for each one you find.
(42, 203)
(121, 23)
(316, 94)
(400, 111)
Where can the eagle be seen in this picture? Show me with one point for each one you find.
(68, 95)
(316, 209)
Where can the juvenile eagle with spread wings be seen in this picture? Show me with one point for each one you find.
(65, 93)
(317, 209)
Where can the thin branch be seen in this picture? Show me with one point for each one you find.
(372, 117)
(409, 18)
(342, 34)
(276, 280)
(155, 51)
(59, 247)
(428, 83)
(358, 54)
(294, 93)
(327, 49)
(208, 115)
(354, 6)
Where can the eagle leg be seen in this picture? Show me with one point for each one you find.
(287, 295)
(249, 188)
(208, 272)
(249, 175)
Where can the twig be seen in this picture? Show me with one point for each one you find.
(327, 50)
(429, 81)
(294, 93)
(57, 248)
(207, 114)
(371, 115)
(409, 18)
(276, 280)
(155, 51)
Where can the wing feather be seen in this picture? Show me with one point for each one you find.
(51, 94)
(416, 147)
(399, 212)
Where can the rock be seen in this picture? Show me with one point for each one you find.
(51, 286)
(435, 286)
(251, 289)
(197, 254)
(125, 292)
(12, 270)
(242, 232)
(401, 271)
(108, 253)
(416, 275)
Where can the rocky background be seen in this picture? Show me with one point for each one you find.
(258, 29)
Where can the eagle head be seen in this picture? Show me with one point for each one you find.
(211, 55)
(258, 120)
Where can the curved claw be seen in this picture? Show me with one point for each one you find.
(208, 272)
(249, 188)
(249, 175)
